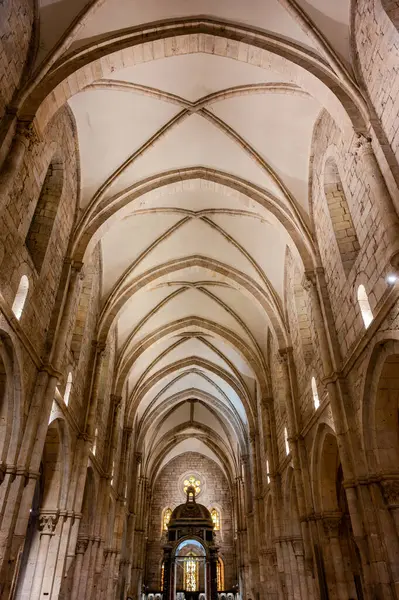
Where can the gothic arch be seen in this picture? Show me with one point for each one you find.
(11, 399)
(346, 102)
(380, 406)
(325, 462)
(46, 210)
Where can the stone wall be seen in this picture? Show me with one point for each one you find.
(377, 51)
(16, 19)
(16, 219)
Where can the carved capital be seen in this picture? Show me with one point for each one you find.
(116, 401)
(81, 545)
(48, 523)
(99, 347)
(272, 556)
(362, 145)
(283, 358)
(245, 459)
(297, 546)
(390, 488)
(331, 524)
(309, 281)
(27, 133)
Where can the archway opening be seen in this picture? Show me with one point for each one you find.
(386, 417)
(341, 558)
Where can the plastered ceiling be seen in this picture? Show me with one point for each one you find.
(193, 267)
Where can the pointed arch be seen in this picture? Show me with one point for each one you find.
(41, 226)
(340, 215)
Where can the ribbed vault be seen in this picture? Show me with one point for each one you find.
(195, 136)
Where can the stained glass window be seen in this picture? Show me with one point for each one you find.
(216, 519)
(162, 576)
(194, 482)
(190, 574)
(166, 518)
(220, 578)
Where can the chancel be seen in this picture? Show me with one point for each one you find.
(190, 556)
(199, 299)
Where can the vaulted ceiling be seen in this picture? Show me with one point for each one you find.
(206, 155)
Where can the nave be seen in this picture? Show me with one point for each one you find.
(199, 300)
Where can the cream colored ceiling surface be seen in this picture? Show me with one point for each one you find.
(206, 158)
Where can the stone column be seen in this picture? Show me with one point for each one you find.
(167, 574)
(25, 137)
(95, 566)
(331, 524)
(390, 489)
(63, 330)
(111, 572)
(242, 558)
(81, 548)
(381, 196)
(255, 519)
(47, 525)
(213, 574)
(55, 569)
(299, 553)
(300, 469)
(13, 486)
(286, 569)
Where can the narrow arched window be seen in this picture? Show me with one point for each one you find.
(20, 298)
(315, 393)
(364, 305)
(215, 519)
(43, 219)
(68, 388)
(162, 576)
(287, 445)
(94, 447)
(341, 219)
(267, 472)
(220, 575)
(167, 513)
(112, 472)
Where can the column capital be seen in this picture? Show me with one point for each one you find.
(284, 355)
(47, 523)
(81, 545)
(116, 400)
(27, 132)
(245, 459)
(99, 346)
(252, 437)
(331, 524)
(297, 546)
(309, 280)
(267, 401)
(362, 145)
(390, 489)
